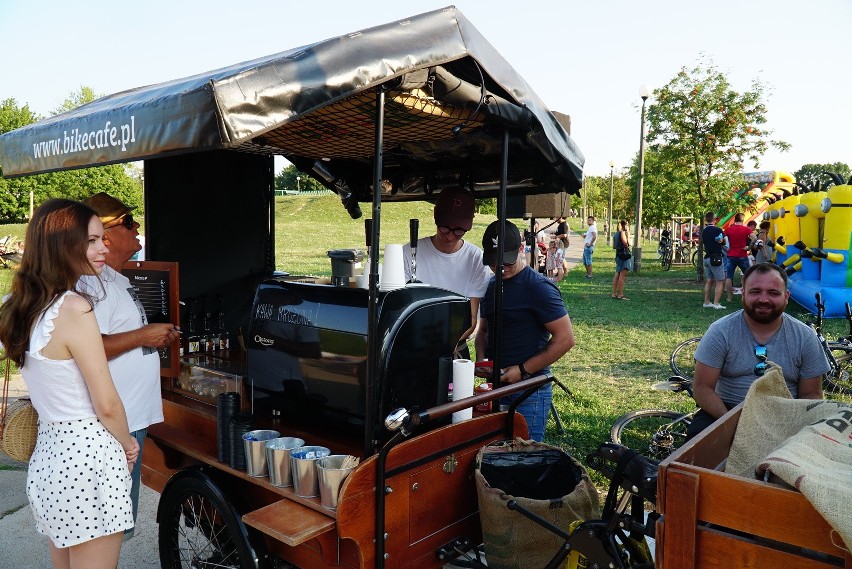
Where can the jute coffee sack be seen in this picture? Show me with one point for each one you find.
(817, 461)
(769, 417)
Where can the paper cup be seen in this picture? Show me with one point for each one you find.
(393, 271)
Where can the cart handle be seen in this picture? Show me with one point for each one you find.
(439, 411)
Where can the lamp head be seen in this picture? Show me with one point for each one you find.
(611, 164)
(644, 91)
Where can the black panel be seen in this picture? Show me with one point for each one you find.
(212, 212)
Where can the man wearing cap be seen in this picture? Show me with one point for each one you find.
(445, 260)
(536, 329)
(129, 341)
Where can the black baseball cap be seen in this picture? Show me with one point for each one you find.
(511, 244)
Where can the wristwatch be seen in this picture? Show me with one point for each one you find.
(524, 373)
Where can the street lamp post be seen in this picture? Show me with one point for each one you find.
(298, 186)
(644, 92)
(609, 216)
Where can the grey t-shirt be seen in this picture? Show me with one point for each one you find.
(729, 346)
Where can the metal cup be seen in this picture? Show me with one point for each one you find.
(331, 477)
(278, 459)
(254, 443)
(303, 466)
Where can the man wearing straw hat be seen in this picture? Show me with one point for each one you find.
(445, 260)
(130, 342)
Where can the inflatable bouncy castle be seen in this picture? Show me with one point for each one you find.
(818, 259)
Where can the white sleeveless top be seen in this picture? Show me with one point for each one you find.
(57, 388)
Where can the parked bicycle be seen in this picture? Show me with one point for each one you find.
(836, 383)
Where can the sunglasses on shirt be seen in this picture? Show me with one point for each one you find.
(127, 221)
(760, 354)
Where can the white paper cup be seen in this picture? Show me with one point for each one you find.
(393, 270)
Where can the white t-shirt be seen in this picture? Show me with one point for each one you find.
(136, 373)
(461, 272)
(591, 234)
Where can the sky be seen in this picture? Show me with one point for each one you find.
(586, 59)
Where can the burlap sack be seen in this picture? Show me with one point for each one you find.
(511, 540)
(818, 462)
(769, 417)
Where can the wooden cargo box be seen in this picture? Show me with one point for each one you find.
(715, 520)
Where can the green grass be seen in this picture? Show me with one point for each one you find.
(622, 347)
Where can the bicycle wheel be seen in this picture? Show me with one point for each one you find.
(695, 258)
(682, 360)
(837, 383)
(655, 433)
(199, 529)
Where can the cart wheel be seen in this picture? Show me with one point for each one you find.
(199, 529)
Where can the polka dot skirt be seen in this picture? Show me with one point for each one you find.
(78, 483)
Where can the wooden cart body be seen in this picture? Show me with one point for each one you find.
(714, 520)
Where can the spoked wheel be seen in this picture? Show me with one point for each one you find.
(837, 383)
(682, 360)
(199, 529)
(695, 258)
(655, 433)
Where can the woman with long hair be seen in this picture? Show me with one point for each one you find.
(78, 483)
(622, 265)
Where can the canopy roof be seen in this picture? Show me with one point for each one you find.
(449, 99)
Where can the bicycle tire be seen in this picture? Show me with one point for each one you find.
(682, 360)
(837, 383)
(655, 433)
(695, 258)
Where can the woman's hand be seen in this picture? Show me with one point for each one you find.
(132, 453)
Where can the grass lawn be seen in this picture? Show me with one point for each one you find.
(622, 346)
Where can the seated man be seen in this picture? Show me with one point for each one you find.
(734, 351)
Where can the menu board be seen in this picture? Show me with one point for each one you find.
(156, 286)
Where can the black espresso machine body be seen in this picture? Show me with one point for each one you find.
(307, 351)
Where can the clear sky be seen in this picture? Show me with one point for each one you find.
(586, 59)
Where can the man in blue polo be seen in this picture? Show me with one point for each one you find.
(536, 328)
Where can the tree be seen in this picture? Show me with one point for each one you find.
(286, 181)
(700, 125)
(76, 99)
(810, 173)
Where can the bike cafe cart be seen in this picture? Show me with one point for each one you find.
(393, 113)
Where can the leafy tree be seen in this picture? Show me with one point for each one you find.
(700, 125)
(77, 99)
(810, 173)
(286, 181)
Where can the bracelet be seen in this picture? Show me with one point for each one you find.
(524, 373)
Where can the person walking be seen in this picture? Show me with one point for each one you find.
(737, 256)
(623, 260)
(589, 245)
(536, 328)
(78, 481)
(733, 352)
(130, 342)
(714, 262)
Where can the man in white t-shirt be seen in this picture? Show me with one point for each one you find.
(447, 261)
(589, 245)
(130, 342)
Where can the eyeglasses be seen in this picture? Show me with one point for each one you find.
(760, 354)
(127, 221)
(457, 231)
